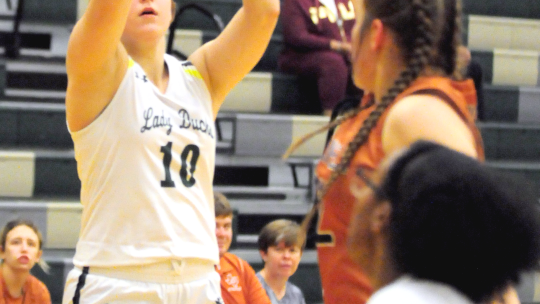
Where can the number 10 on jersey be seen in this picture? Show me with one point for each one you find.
(187, 169)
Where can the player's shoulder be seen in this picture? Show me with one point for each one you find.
(419, 109)
(411, 103)
(434, 95)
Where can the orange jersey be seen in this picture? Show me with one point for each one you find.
(343, 280)
(239, 284)
(34, 292)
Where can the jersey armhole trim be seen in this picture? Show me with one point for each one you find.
(131, 64)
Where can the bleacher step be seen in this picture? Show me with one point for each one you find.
(512, 33)
(265, 199)
(509, 141)
(59, 220)
(43, 125)
(517, 9)
(529, 171)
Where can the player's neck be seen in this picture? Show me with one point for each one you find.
(152, 61)
(387, 72)
(278, 284)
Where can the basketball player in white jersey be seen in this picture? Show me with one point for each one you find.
(143, 127)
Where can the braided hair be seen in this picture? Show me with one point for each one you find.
(443, 57)
(417, 57)
(427, 32)
(446, 57)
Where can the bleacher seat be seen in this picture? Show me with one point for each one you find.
(508, 67)
(505, 141)
(511, 33)
(62, 12)
(224, 8)
(17, 178)
(59, 221)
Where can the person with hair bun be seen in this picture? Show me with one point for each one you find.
(21, 249)
(435, 226)
(404, 55)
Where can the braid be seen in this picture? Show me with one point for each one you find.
(450, 40)
(347, 115)
(456, 41)
(421, 56)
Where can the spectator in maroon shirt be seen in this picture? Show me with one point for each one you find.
(317, 37)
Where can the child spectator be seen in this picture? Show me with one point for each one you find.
(239, 284)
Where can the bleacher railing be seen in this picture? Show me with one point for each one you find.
(216, 19)
(13, 41)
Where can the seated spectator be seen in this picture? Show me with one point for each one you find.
(21, 250)
(239, 285)
(317, 45)
(281, 243)
(433, 226)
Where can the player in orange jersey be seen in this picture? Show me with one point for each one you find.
(404, 53)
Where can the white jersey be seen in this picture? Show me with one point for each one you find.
(146, 166)
(409, 290)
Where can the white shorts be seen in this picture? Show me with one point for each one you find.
(189, 281)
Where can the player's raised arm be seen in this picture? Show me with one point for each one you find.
(95, 61)
(226, 60)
